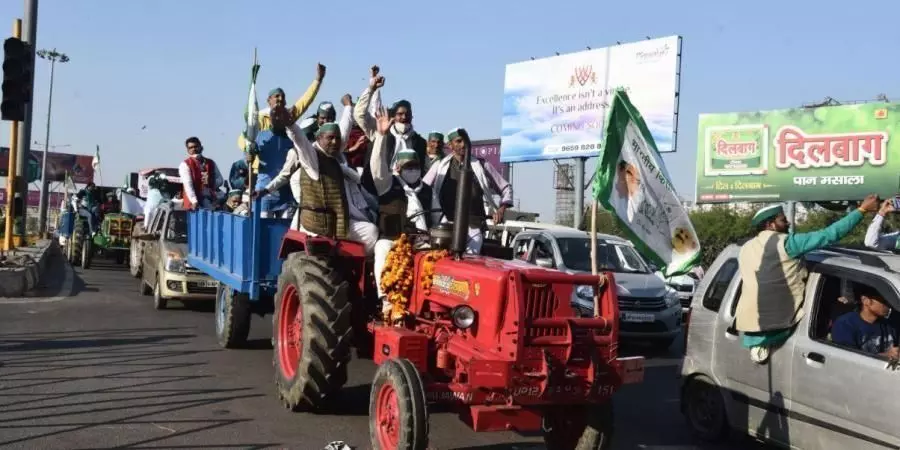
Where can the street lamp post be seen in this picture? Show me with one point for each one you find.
(53, 56)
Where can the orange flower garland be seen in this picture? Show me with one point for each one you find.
(430, 259)
(397, 278)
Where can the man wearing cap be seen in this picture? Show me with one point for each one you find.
(402, 135)
(774, 276)
(200, 177)
(332, 201)
(444, 176)
(403, 199)
(868, 329)
(277, 98)
(435, 149)
(240, 169)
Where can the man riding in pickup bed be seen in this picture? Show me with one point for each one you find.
(774, 277)
(332, 200)
(487, 182)
(403, 199)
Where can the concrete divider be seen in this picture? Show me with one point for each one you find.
(24, 267)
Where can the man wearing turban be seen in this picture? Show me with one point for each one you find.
(444, 176)
(774, 277)
(403, 199)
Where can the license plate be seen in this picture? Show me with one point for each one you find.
(207, 284)
(637, 317)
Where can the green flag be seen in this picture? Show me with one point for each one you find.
(633, 184)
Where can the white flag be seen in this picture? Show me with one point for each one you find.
(95, 163)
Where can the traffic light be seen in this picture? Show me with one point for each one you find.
(17, 78)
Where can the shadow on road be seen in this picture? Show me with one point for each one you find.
(122, 388)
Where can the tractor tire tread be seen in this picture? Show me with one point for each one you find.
(327, 336)
(408, 387)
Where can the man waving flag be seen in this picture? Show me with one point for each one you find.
(633, 184)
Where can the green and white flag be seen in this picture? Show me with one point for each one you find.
(251, 111)
(633, 184)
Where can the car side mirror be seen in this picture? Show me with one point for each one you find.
(546, 263)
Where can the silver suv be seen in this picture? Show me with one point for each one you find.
(812, 393)
(648, 309)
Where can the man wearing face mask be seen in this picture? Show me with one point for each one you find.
(332, 202)
(200, 177)
(435, 149)
(401, 135)
(403, 199)
(443, 178)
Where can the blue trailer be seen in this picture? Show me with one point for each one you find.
(242, 254)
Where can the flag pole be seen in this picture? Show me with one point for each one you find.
(251, 188)
(594, 268)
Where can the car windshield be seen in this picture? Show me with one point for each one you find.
(615, 257)
(177, 227)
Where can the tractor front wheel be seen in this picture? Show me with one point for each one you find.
(312, 333)
(76, 241)
(588, 428)
(120, 257)
(87, 253)
(232, 317)
(398, 411)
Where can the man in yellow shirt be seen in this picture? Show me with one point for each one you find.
(277, 98)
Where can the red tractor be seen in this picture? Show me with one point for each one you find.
(495, 340)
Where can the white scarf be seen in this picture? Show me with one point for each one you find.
(480, 176)
(401, 141)
(413, 204)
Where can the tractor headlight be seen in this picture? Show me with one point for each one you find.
(585, 292)
(672, 297)
(463, 316)
(174, 264)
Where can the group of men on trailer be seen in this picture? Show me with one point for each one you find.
(367, 176)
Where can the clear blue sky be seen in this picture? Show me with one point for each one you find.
(181, 67)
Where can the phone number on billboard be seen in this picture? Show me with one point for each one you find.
(571, 148)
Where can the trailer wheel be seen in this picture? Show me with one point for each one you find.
(232, 317)
(312, 333)
(398, 411)
(572, 428)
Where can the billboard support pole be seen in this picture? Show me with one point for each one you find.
(29, 31)
(8, 243)
(579, 192)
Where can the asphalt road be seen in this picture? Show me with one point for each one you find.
(87, 363)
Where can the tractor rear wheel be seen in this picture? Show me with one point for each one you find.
(398, 411)
(573, 428)
(87, 253)
(232, 317)
(312, 333)
(76, 242)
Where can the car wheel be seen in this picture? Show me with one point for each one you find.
(158, 301)
(704, 409)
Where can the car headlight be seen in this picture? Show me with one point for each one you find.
(174, 264)
(585, 292)
(672, 298)
(463, 316)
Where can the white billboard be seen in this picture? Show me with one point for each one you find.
(556, 107)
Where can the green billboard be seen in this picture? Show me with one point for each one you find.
(803, 154)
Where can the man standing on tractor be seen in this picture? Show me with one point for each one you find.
(87, 203)
(200, 177)
(443, 178)
(403, 199)
(333, 202)
(774, 276)
(402, 135)
(435, 149)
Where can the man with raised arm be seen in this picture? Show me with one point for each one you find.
(444, 176)
(401, 136)
(403, 199)
(277, 98)
(774, 276)
(332, 202)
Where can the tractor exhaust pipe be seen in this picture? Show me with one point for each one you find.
(463, 199)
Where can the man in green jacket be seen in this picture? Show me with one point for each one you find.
(774, 276)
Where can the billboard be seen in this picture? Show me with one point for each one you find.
(57, 164)
(803, 154)
(34, 198)
(489, 150)
(556, 107)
